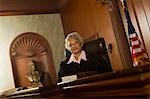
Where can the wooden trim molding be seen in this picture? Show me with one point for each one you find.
(28, 46)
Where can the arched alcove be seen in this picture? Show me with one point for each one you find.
(33, 46)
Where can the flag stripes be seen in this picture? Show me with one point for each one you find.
(139, 55)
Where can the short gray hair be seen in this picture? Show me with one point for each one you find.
(73, 35)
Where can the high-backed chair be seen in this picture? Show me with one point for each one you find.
(98, 48)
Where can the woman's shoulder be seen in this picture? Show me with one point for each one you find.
(64, 62)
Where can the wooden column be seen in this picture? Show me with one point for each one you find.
(120, 35)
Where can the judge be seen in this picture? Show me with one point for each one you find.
(80, 61)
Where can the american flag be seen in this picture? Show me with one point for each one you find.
(139, 55)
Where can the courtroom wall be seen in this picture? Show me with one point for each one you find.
(89, 17)
(48, 25)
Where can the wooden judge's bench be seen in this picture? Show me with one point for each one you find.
(128, 83)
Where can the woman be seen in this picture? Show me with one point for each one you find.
(80, 61)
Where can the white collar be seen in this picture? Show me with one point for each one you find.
(73, 59)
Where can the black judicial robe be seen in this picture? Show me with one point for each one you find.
(94, 63)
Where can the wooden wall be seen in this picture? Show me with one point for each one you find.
(89, 17)
(18, 7)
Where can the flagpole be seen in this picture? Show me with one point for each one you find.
(138, 24)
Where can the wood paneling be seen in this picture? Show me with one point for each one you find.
(18, 7)
(121, 37)
(89, 17)
(145, 23)
(146, 5)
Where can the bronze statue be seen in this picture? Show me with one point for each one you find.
(34, 77)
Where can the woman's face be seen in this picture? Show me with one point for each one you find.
(75, 45)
